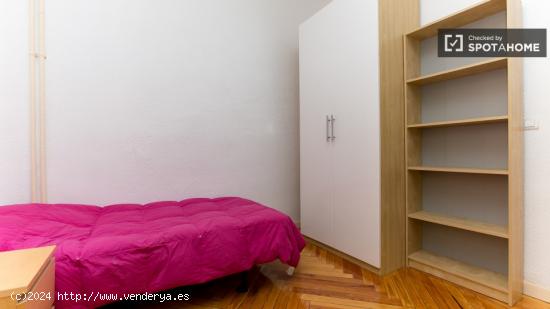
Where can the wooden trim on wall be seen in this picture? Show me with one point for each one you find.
(32, 100)
(37, 100)
(395, 17)
(42, 99)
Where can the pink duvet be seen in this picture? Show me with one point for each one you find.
(150, 248)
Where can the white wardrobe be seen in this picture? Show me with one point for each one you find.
(340, 129)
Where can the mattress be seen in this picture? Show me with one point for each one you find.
(130, 248)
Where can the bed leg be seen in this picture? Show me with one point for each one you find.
(243, 285)
(290, 271)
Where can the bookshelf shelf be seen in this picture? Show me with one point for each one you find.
(461, 122)
(475, 278)
(459, 170)
(464, 224)
(467, 70)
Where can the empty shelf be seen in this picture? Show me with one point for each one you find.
(464, 224)
(472, 69)
(461, 122)
(459, 170)
(461, 270)
(461, 18)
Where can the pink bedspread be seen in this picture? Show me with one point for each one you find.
(150, 248)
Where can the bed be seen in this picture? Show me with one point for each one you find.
(132, 248)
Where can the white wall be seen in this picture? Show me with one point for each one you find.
(161, 100)
(537, 155)
(14, 103)
(537, 148)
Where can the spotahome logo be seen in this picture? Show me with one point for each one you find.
(454, 42)
(492, 43)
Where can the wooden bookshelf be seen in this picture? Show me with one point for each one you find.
(459, 223)
(467, 70)
(507, 284)
(459, 170)
(461, 122)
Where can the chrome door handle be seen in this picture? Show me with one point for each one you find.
(328, 128)
(332, 120)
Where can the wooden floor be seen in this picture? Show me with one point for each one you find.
(325, 281)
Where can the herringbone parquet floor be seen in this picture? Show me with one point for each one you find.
(326, 281)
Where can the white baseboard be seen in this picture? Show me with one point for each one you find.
(536, 291)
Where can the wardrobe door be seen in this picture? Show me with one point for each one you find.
(316, 95)
(356, 106)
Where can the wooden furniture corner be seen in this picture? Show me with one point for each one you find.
(24, 273)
